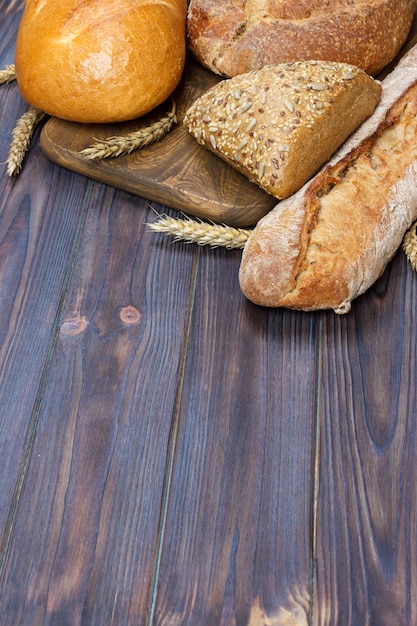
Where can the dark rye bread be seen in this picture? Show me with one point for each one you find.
(279, 124)
(330, 241)
(232, 37)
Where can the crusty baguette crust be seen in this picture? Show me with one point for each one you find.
(231, 37)
(279, 124)
(330, 241)
(100, 60)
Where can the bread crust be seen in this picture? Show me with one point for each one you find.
(279, 124)
(232, 37)
(327, 244)
(100, 60)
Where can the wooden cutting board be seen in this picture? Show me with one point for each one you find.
(176, 171)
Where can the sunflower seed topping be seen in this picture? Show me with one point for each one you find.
(317, 86)
(246, 106)
(257, 120)
(288, 105)
(251, 125)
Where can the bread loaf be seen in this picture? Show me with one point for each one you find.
(235, 36)
(100, 60)
(279, 124)
(330, 241)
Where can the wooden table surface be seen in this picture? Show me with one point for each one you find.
(173, 455)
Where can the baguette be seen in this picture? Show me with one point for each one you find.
(329, 242)
(100, 60)
(279, 124)
(233, 37)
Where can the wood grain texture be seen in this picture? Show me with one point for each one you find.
(98, 464)
(366, 541)
(37, 239)
(238, 544)
(176, 171)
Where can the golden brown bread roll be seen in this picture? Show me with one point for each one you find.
(329, 242)
(279, 124)
(235, 36)
(100, 60)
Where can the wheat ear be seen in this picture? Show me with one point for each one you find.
(8, 74)
(410, 245)
(119, 146)
(221, 235)
(201, 233)
(21, 138)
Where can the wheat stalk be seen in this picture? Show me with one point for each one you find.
(410, 246)
(202, 233)
(221, 235)
(8, 74)
(119, 146)
(21, 138)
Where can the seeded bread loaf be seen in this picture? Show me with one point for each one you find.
(330, 241)
(100, 60)
(232, 37)
(279, 124)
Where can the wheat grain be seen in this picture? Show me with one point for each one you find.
(410, 246)
(8, 74)
(21, 138)
(202, 233)
(121, 145)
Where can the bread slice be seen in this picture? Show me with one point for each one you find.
(279, 124)
(329, 242)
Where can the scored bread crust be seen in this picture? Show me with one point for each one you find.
(232, 37)
(100, 60)
(329, 242)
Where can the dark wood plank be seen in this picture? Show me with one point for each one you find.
(237, 544)
(38, 232)
(366, 528)
(95, 482)
(176, 171)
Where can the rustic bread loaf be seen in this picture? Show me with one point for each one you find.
(279, 124)
(329, 242)
(100, 61)
(235, 36)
